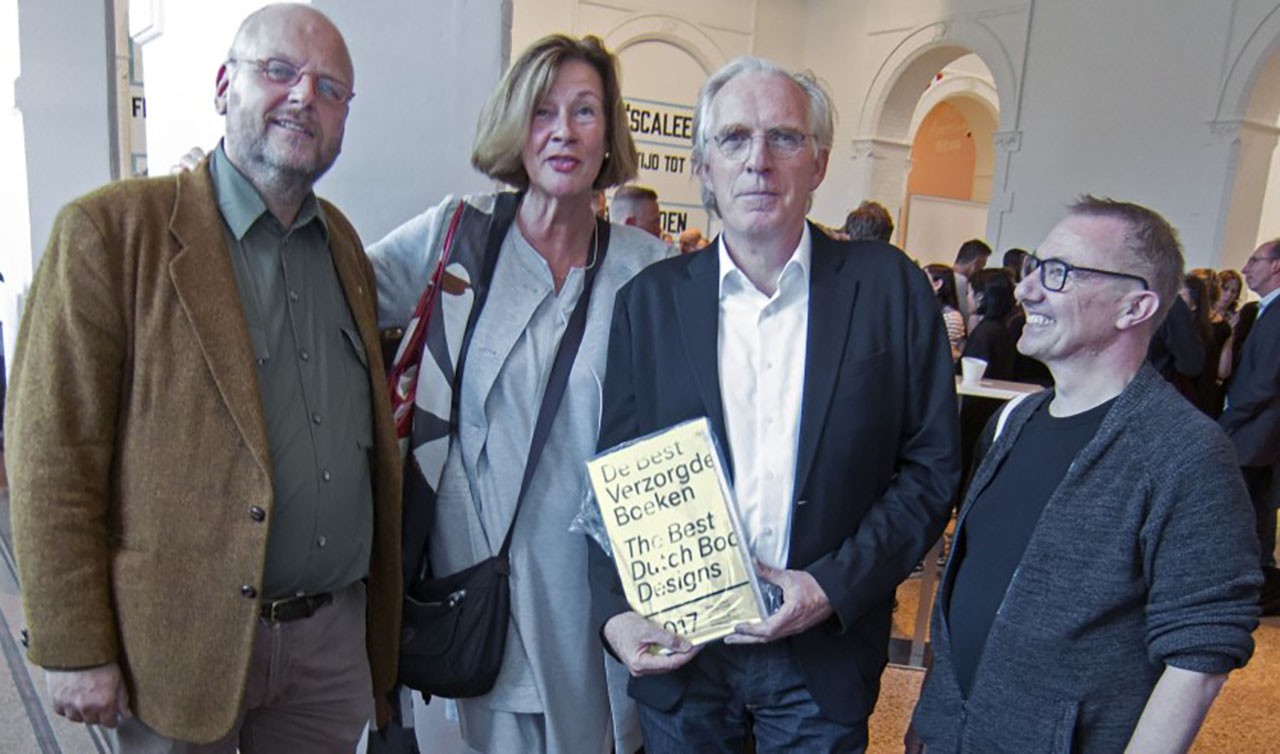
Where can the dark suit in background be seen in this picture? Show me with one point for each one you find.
(877, 458)
(1252, 420)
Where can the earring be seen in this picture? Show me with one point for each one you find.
(607, 155)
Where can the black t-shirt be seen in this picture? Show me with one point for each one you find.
(991, 342)
(999, 524)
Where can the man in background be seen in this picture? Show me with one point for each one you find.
(638, 206)
(691, 240)
(869, 221)
(971, 257)
(1252, 414)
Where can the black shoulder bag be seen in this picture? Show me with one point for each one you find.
(455, 628)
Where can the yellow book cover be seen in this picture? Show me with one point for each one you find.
(673, 528)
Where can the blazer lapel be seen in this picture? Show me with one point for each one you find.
(205, 282)
(697, 303)
(832, 295)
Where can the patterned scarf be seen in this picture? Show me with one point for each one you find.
(429, 367)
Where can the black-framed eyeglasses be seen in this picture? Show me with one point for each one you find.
(284, 73)
(734, 143)
(1054, 272)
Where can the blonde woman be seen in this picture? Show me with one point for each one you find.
(555, 130)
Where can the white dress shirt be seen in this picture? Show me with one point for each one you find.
(761, 352)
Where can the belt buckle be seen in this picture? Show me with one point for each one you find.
(276, 607)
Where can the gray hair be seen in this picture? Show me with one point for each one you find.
(821, 112)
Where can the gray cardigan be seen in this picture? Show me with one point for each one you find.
(1145, 555)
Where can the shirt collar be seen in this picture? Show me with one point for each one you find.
(797, 266)
(1266, 300)
(241, 205)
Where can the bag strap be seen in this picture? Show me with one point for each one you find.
(566, 352)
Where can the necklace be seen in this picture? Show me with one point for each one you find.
(595, 245)
(591, 262)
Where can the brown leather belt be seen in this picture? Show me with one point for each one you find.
(294, 608)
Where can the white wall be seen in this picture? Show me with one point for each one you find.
(15, 218)
(62, 94)
(1269, 226)
(423, 72)
(1139, 136)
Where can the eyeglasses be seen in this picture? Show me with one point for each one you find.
(1255, 259)
(781, 142)
(284, 73)
(1054, 272)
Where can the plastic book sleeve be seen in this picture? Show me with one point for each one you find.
(664, 511)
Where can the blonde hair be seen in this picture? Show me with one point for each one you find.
(504, 122)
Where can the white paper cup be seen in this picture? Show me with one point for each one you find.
(972, 368)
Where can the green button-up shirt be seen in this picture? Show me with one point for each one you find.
(313, 378)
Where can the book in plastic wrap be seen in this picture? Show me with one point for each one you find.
(673, 529)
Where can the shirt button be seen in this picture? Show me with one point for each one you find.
(321, 542)
(261, 362)
(293, 295)
(315, 417)
(257, 514)
(247, 591)
(325, 475)
(302, 354)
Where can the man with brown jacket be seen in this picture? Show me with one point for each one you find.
(204, 478)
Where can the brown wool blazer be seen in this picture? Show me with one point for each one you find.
(137, 446)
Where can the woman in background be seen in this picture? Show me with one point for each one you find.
(1202, 288)
(1239, 316)
(990, 339)
(556, 130)
(944, 286)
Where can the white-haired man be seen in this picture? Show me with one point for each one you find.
(827, 377)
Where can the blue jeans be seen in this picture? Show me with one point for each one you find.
(733, 689)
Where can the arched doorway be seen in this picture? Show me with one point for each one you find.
(1255, 204)
(664, 61)
(952, 161)
(1248, 118)
(982, 86)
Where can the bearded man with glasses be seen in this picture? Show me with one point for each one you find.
(204, 476)
(825, 371)
(1104, 579)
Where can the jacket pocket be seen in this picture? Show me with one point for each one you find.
(1028, 727)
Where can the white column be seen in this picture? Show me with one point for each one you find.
(63, 95)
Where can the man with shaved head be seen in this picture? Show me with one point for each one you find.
(204, 482)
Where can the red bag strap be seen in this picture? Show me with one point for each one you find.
(410, 353)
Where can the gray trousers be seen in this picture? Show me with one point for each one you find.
(308, 689)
